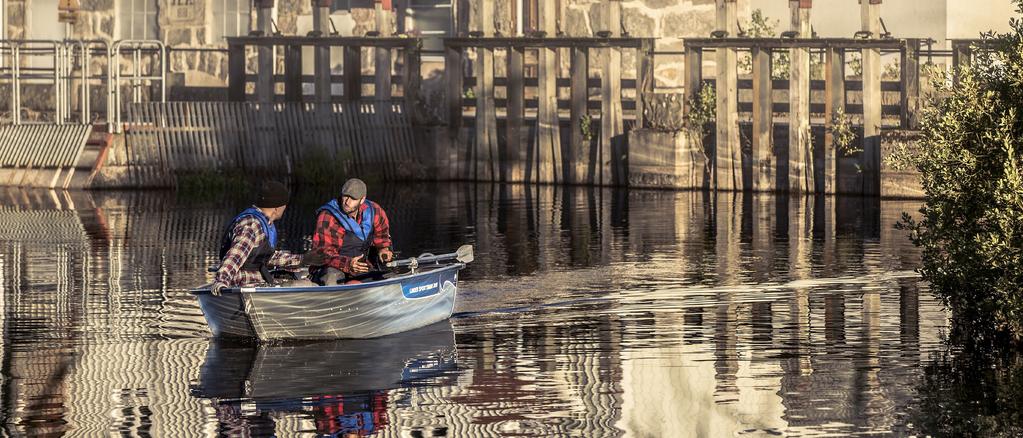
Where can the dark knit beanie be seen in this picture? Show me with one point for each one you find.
(272, 194)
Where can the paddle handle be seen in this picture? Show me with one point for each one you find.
(421, 260)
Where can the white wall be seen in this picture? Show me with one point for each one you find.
(967, 18)
(938, 19)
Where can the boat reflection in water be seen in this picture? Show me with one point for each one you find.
(342, 385)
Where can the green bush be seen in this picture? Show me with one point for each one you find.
(971, 226)
(210, 183)
(321, 169)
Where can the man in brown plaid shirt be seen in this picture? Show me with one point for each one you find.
(249, 247)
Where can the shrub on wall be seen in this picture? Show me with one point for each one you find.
(971, 226)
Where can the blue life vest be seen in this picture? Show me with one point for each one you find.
(264, 222)
(260, 255)
(358, 236)
(363, 230)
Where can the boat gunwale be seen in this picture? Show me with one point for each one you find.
(337, 288)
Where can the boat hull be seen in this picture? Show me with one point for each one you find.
(367, 310)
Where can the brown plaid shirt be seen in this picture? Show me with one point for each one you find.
(248, 235)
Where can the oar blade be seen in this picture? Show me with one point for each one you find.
(464, 254)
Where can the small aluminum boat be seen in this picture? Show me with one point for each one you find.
(304, 310)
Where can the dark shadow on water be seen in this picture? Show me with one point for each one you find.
(971, 393)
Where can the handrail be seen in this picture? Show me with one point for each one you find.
(55, 49)
(85, 52)
(136, 47)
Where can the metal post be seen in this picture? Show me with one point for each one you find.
(84, 102)
(16, 83)
(136, 87)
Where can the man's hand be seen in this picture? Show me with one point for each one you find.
(357, 266)
(314, 258)
(386, 255)
(217, 289)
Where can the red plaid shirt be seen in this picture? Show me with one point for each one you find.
(329, 234)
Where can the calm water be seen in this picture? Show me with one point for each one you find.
(587, 313)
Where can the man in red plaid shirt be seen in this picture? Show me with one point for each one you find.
(347, 229)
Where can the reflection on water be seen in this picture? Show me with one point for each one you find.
(345, 386)
(587, 313)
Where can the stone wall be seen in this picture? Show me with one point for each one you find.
(185, 26)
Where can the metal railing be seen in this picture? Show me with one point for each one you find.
(136, 51)
(66, 69)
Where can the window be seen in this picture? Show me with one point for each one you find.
(432, 20)
(230, 19)
(527, 20)
(137, 20)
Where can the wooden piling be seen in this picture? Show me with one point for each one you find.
(485, 145)
(514, 163)
(962, 54)
(321, 54)
(236, 72)
(382, 62)
(871, 16)
(764, 163)
(548, 121)
(578, 158)
(727, 154)
(382, 73)
(834, 102)
(352, 77)
(293, 73)
(910, 78)
(611, 125)
(693, 74)
(644, 77)
(265, 58)
(412, 83)
(801, 176)
(454, 75)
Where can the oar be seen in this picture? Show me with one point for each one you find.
(463, 254)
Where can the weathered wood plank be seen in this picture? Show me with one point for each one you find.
(764, 162)
(577, 160)
(834, 100)
(910, 78)
(352, 74)
(236, 72)
(293, 73)
(517, 150)
(612, 127)
(412, 83)
(727, 155)
(871, 16)
(801, 176)
(548, 121)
